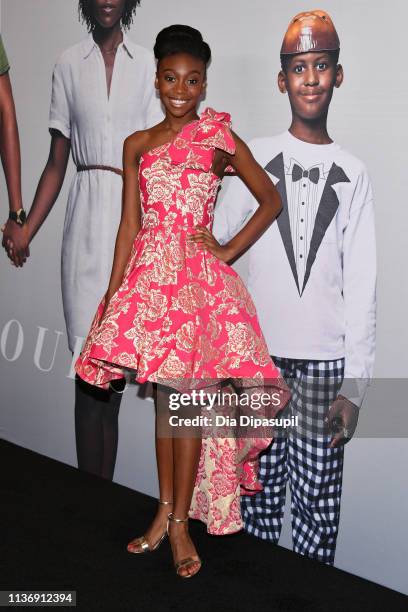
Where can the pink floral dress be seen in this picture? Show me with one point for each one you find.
(182, 317)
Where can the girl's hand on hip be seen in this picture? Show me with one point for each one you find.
(207, 242)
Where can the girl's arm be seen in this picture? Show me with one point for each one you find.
(263, 190)
(130, 222)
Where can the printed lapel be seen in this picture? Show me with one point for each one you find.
(277, 168)
(328, 206)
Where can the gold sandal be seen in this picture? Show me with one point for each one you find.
(184, 563)
(143, 543)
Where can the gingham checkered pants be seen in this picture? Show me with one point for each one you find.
(302, 457)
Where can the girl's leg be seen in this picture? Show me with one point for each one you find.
(177, 463)
(186, 453)
(164, 458)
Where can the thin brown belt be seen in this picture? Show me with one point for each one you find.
(98, 167)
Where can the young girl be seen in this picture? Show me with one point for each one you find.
(174, 310)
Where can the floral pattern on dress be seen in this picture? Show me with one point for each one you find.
(182, 315)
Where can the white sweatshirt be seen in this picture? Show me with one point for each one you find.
(312, 274)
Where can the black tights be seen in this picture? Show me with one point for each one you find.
(96, 426)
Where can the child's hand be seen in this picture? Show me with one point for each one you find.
(341, 421)
(206, 241)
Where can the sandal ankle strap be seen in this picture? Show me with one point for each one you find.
(165, 503)
(171, 517)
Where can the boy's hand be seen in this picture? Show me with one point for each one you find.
(15, 242)
(205, 239)
(341, 421)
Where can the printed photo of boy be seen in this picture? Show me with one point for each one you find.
(312, 276)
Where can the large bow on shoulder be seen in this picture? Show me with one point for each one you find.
(196, 143)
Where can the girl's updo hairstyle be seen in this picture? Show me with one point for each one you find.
(181, 39)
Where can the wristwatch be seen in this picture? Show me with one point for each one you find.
(18, 216)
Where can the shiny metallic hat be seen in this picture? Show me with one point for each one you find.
(310, 31)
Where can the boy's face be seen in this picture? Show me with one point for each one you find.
(309, 80)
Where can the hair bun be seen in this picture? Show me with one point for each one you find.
(181, 39)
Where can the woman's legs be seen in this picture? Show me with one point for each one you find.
(96, 426)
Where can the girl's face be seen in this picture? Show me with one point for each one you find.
(107, 13)
(181, 82)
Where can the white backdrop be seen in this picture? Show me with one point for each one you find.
(368, 117)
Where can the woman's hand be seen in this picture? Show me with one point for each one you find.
(206, 241)
(15, 242)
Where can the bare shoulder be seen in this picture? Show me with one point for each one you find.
(136, 143)
(139, 142)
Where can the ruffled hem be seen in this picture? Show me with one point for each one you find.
(222, 477)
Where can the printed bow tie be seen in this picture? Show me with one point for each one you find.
(297, 173)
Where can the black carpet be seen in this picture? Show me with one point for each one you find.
(63, 529)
